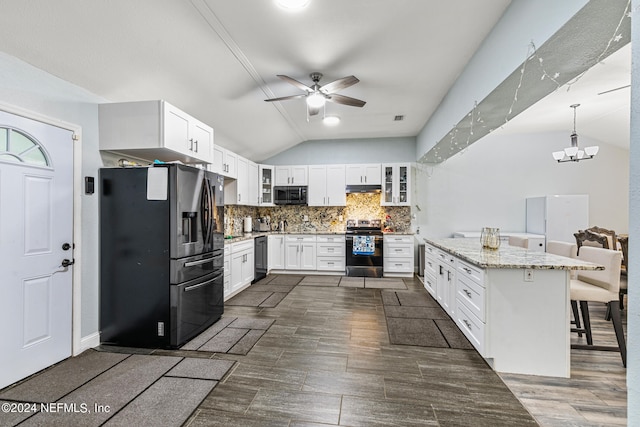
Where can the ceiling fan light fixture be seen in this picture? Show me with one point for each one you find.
(331, 120)
(315, 100)
(293, 5)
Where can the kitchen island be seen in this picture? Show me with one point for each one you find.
(512, 304)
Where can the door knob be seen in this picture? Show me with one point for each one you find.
(66, 263)
(66, 246)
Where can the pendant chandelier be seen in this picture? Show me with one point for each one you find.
(573, 153)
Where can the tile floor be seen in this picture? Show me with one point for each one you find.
(327, 360)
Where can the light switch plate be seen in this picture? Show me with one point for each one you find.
(528, 275)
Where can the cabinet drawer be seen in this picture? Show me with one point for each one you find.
(470, 326)
(430, 250)
(330, 249)
(397, 265)
(471, 295)
(398, 250)
(446, 258)
(330, 239)
(300, 238)
(242, 246)
(430, 284)
(330, 264)
(391, 238)
(471, 271)
(430, 266)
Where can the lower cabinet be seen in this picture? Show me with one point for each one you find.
(330, 255)
(398, 251)
(300, 252)
(276, 252)
(242, 265)
(227, 270)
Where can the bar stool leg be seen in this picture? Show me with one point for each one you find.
(584, 308)
(617, 326)
(576, 316)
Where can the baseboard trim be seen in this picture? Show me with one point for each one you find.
(90, 341)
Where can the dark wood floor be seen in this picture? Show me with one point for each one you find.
(327, 361)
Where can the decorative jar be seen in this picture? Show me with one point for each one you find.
(490, 238)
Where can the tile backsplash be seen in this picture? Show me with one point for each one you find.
(320, 218)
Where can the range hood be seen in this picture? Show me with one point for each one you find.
(363, 189)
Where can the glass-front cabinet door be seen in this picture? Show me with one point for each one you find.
(396, 185)
(266, 185)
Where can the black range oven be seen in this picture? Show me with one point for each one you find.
(364, 248)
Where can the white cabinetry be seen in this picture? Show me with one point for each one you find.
(300, 252)
(364, 174)
(265, 185)
(396, 184)
(154, 130)
(330, 251)
(446, 282)
(398, 255)
(276, 252)
(242, 265)
(227, 271)
(224, 162)
(291, 175)
(244, 189)
(327, 185)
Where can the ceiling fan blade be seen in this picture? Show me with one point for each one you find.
(313, 111)
(295, 83)
(346, 100)
(339, 84)
(284, 98)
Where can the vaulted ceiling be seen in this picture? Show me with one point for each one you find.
(219, 60)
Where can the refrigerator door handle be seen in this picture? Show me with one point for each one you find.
(199, 262)
(199, 285)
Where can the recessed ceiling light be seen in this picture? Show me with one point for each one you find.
(293, 4)
(331, 120)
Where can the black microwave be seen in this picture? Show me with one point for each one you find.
(290, 195)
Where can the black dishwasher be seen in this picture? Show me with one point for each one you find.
(261, 258)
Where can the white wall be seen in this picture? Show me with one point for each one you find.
(486, 186)
(26, 87)
(369, 150)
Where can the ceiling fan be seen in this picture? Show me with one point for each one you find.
(317, 95)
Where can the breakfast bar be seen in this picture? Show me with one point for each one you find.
(511, 303)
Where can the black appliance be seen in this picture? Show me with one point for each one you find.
(294, 195)
(261, 258)
(364, 264)
(161, 254)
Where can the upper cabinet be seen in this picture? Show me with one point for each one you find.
(396, 186)
(154, 130)
(327, 185)
(225, 162)
(291, 175)
(364, 174)
(265, 185)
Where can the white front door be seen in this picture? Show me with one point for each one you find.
(36, 223)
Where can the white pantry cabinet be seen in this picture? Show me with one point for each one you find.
(327, 185)
(154, 130)
(364, 174)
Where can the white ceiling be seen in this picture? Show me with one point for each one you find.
(218, 61)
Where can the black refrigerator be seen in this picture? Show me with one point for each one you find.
(161, 254)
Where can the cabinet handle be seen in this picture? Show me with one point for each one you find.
(467, 292)
(365, 179)
(398, 250)
(398, 265)
(330, 263)
(324, 200)
(468, 270)
(442, 256)
(191, 142)
(466, 322)
(196, 144)
(440, 269)
(239, 197)
(448, 275)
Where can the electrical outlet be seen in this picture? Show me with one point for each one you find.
(306, 218)
(528, 275)
(339, 218)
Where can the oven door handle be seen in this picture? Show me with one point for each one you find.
(199, 262)
(199, 285)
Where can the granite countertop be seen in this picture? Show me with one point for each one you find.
(507, 256)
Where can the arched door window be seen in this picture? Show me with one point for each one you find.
(18, 147)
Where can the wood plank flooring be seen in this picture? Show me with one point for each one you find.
(327, 360)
